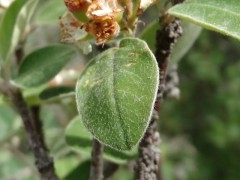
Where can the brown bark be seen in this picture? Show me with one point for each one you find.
(148, 162)
(44, 163)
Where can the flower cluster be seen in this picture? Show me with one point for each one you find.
(95, 18)
(98, 18)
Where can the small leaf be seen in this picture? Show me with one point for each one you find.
(55, 92)
(13, 25)
(42, 65)
(50, 12)
(80, 140)
(221, 16)
(116, 93)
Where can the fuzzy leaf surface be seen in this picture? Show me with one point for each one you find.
(116, 93)
(217, 15)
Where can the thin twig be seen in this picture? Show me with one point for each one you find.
(148, 162)
(44, 163)
(96, 172)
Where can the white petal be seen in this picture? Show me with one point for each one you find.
(146, 3)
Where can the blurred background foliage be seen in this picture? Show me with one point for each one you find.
(200, 132)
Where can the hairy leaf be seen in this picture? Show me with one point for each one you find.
(116, 93)
(42, 65)
(218, 15)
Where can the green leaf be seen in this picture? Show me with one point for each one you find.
(55, 92)
(217, 15)
(66, 165)
(82, 170)
(149, 34)
(80, 140)
(116, 93)
(42, 65)
(13, 25)
(50, 12)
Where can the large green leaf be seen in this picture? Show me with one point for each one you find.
(13, 25)
(218, 15)
(80, 140)
(42, 65)
(116, 93)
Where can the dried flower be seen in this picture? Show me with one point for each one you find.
(71, 29)
(103, 28)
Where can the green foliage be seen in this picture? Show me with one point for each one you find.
(80, 140)
(82, 170)
(221, 16)
(56, 92)
(13, 25)
(149, 35)
(42, 65)
(116, 93)
(71, 168)
(50, 12)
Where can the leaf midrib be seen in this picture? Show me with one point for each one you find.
(116, 105)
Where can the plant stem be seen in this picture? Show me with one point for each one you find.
(147, 164)
(37, 123)
(44, 163)
(96, 172)
(148, 153)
